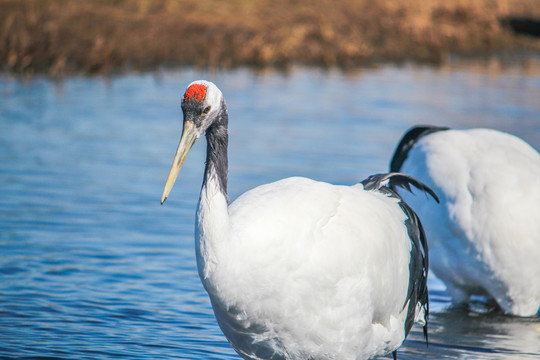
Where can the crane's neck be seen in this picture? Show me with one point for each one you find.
(216, 152)
(212, 228)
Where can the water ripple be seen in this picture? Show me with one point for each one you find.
(92, 267)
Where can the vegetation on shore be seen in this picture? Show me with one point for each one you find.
(97, 36)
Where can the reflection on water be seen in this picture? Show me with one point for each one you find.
(91, 266)
(458, 334)
(502, 337)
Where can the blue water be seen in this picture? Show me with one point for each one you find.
(92, 267)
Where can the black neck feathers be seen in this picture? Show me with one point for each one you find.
(411, 137)
(217, 139)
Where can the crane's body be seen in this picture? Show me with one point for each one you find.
(300, 269)
(285, 268)
(485, 236)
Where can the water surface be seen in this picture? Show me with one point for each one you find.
(92, 267)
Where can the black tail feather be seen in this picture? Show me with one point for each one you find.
(417, 292)
(376, 182)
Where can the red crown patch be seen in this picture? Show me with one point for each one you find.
(195, 91)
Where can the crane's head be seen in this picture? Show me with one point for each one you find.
(202, 106)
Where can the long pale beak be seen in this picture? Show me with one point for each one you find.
(189, 136)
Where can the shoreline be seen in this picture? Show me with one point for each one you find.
(492, 67)
(62, 37)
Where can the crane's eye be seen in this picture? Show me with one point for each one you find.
(207, 110)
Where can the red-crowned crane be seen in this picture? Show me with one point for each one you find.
(485, 235)
(301, 269)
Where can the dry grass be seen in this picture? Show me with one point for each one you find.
(59, 36)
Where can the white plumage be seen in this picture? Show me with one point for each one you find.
(485, 236)
(300, 269)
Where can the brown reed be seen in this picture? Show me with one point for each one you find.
(98, 36)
